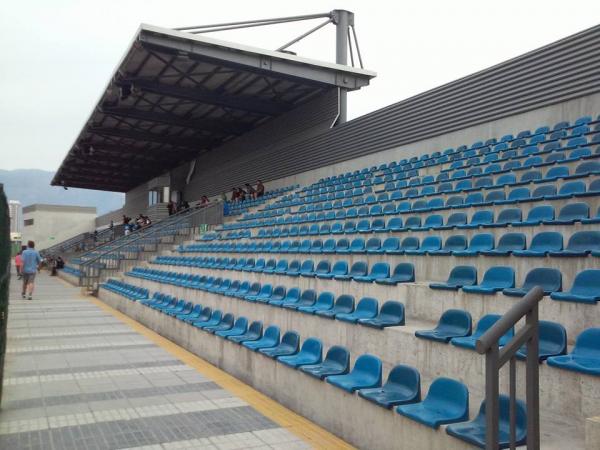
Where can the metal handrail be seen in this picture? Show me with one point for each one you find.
(495, 358)
(161, 223)
(185, 215)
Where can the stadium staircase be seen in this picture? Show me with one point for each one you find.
(388, 276)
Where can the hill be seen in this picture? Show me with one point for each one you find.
(33, 186)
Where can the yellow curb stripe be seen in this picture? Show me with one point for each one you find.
(313, 434)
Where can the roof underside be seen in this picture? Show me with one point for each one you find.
(175, 96)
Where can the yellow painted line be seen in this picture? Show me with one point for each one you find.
(305, 429)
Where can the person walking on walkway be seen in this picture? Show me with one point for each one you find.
(19, 263)
(31, 263)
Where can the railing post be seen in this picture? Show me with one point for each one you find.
(532, 382)
(492, 411)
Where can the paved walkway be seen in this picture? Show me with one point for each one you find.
(79, 377)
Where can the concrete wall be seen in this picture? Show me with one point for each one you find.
(54, 224)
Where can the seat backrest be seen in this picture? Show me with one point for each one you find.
(557, 172)
(391, 243)
(380, 270)
(431, 243)
(340, 268)
(547, 240)
(367, 304)
(450, 394)
(410, 243)
(540, 213)
(456, 242)
(587, 344)
(587, 283)
(574, 211)
(359, 268)
(368, 366)
(357, 244)
(482, 217)
(307, 266)
(323, 266)
(456, 320)
(549, 279)
(509, 215)
(572, 187)
(406, 270)
(463, 275)
(500, 276)
(312, 346)
(338, 356)
(241, 324)
(482, 241)
(512, 241)
(584, 240)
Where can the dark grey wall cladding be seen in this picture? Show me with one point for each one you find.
(561, 71)
(254, 155)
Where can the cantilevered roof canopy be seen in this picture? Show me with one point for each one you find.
(176, 95)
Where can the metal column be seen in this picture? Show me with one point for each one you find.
(342, 19)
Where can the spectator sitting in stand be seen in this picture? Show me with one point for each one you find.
(204, 201)
(242, 194)
(251, 191)
(260, 189)
(235, 195)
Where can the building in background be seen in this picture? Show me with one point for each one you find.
(16, 216)
(47, 225)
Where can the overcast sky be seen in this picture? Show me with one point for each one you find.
(57, 56)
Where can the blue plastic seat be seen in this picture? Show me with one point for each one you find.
(403, 273)
(585, 356)
(570, 213)
(495, 279)
(585, 288)
(292, 296)
(537, 215)
(339, 268)
(459, 276)
(580, 243)
(395, 224)
(366, 308)
(391, 314)
(446, 402)
(380, 270)
(307, 268)
(358, 269)
(479, 242)
(307, 298)
(226, 323)
(253, 333)
(483, 325)
(289, 345)
(391, 244)
(455, 243)
(429, 244)
(550, 281)
(552, 341)
(269, 339)
(265, 292)
(506, 217)
(542, 243)
(481, 217)
(402, 387)
(336, 362)
(474, 432)
(357, 246)
(310, 353)
(570, 189)
(453, 323)
(508, 243)
(344, 304)
(373, 245)
(239, 327)
(454, 220)
(324, 302)
(366, 373)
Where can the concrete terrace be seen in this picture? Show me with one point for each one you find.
(79, 375)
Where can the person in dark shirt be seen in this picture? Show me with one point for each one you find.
(235, 196)
(241, 194)
(251, 191)
(204, 201)
(260, 189)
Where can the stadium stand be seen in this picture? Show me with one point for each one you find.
(269, 270)
(363, 291)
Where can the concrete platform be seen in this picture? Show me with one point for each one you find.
(80, 376)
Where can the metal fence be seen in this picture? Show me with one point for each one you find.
(4, 277)
(496, 357)
(111, 258)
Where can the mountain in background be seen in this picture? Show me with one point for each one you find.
(33, 186)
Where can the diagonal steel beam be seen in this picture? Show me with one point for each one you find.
(149, 137)
(225, 126)
(244, 103)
